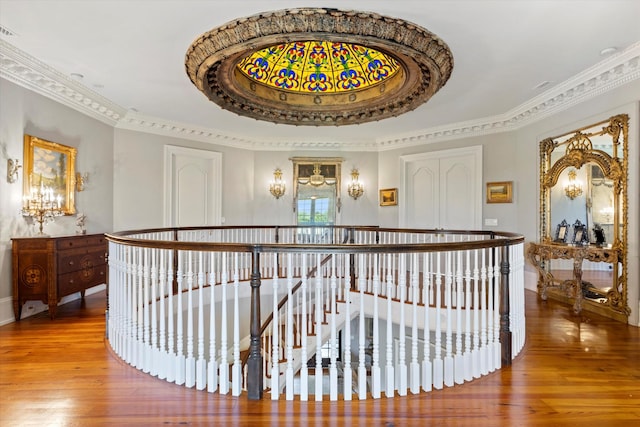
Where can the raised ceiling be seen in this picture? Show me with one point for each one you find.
(319, 66)
(514, 61)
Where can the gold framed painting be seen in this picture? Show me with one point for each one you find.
(389, 197)
(500, 192)
(50, 165)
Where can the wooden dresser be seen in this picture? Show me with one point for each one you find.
(49, 268)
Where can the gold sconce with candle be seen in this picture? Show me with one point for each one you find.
(277, 186)
(355, 187)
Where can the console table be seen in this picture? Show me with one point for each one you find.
(49, 268)
(540, 253)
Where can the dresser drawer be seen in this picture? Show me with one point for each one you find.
(80, 241)
(82, 279)
(80, 259)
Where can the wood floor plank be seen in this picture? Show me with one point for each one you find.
(574, 371)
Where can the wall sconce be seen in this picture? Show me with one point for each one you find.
(355, 188)
(277, 187)
(573, 188)
(42, 204)
(81, 181)
(12, 170)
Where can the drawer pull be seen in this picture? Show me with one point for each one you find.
(70, 262)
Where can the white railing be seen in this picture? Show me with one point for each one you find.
(350, 311)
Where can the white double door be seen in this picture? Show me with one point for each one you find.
(442, 189)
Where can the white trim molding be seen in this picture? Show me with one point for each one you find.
(28, 72)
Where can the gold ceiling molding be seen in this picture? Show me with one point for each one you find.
(425, 64)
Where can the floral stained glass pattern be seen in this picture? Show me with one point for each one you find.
(319, 67)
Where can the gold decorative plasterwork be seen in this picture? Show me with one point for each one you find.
(425, 63)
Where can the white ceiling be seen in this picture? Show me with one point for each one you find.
(132, 53)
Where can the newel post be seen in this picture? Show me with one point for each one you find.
(254, 363)
(505, 332)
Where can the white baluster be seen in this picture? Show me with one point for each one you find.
(497, 350)
(212, 366)
(190, 369)
(362, 367)
(319, 311)
(414, 367)
(347, 375)
(146, 334)
(468, 365)
(402, 357)
(180, 359)
(376, 385)
(448, 359)
(171, 355)
(304, 325)
(483, 316)
(201, 363)
(275, 359)
(438, 364)
(236, 370)
(224, 349)
(475, 352)
(162, 345)
(290, 323)
(333, 342)
(427, 366)
(458, 361)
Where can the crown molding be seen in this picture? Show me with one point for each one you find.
(30, 73)
(26, 71)
(606, 75)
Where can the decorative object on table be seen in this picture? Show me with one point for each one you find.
(598, 232)
(80, 223)
(580, 234)
(50, 165)
(389, 197)
(562, 231)
(500, 192)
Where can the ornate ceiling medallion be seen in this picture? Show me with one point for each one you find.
(318, 66)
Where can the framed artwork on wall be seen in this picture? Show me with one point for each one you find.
(52, 166)
(500, 192)
(389, 197)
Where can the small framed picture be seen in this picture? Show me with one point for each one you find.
(499, 192)
(389, 197)
(561, 232)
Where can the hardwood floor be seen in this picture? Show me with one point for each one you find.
(574, 371)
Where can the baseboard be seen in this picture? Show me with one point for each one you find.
(35, 307)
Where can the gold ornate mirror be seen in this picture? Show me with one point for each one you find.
(582, 252)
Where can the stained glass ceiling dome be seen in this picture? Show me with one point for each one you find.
(319, 66)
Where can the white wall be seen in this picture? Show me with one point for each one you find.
(138, 179)
(23, 111)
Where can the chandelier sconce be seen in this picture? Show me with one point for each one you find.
(42, 204)
(573, 188)
(355, 188)
(277, 186)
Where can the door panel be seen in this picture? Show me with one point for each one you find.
(192, 187)
(444, 189)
